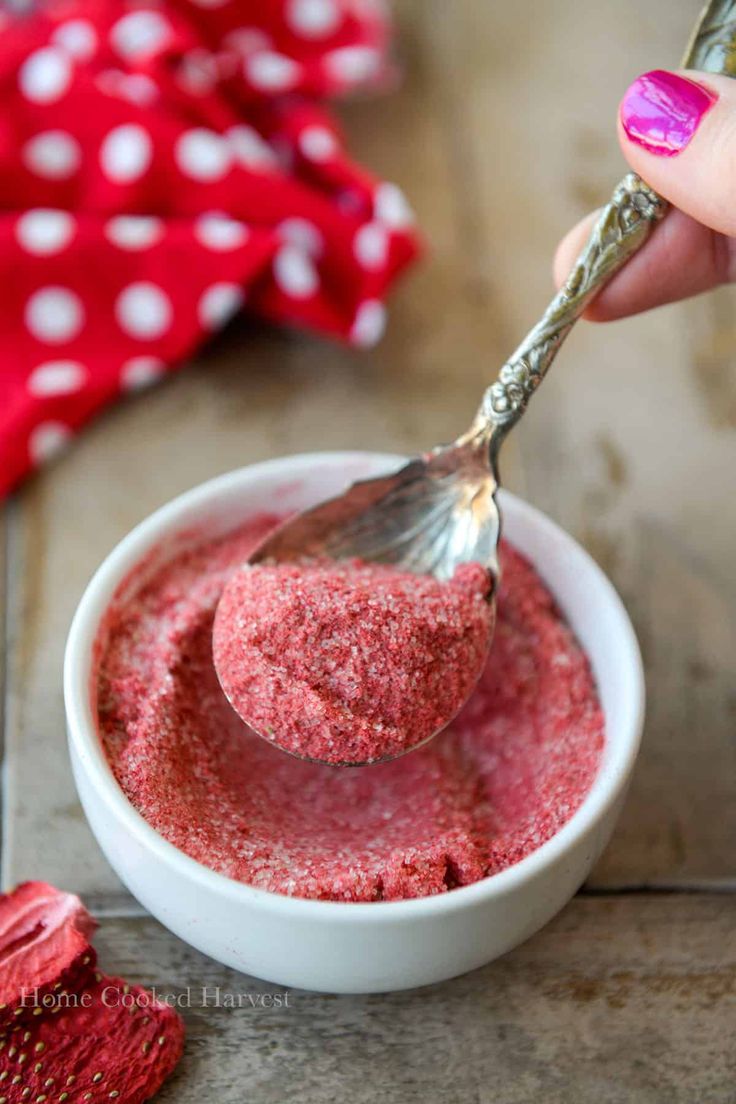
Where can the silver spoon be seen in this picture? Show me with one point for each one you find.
(439, 510)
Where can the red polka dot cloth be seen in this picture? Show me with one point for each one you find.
(162, 165)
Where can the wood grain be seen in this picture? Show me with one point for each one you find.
(618, 1000)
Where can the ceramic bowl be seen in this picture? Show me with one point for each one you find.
(344, 947)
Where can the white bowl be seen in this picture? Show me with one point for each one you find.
(343, 947)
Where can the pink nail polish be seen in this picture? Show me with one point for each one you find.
(661, 111)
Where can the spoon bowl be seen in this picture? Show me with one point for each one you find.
(430, 516)
(348, 661)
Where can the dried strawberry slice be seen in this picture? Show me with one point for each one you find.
(109, 1041)
(44, 946)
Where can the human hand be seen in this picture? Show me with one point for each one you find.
(678, 131)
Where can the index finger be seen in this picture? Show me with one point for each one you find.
(681, 259)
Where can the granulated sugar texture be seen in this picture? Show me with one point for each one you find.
(350, 662)
(500, 780)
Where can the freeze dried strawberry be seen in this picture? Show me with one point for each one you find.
(108, 1042)
(44, 946)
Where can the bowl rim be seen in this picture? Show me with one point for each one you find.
(85, 742)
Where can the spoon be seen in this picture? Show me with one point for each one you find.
(439, 510)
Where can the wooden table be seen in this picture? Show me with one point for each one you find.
(502, 134)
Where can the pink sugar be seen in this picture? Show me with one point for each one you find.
(350, 662)
(506, 774)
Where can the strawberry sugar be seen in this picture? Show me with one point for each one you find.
(350, 662)
(505, 775)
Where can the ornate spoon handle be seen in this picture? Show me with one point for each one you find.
(622, 228)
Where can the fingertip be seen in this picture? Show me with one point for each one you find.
(682, 258)
(626, 146)
(637, 157)
(677, 130)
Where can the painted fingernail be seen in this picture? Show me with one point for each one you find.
(661, 111)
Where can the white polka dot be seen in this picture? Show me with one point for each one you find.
(247, 40)
(198, 72)
(220, 232)
(352, 63)
(140, 372)
(140, 89)
(45, 75)
(202, 154)
(53, 154)
(249, 148)
(303, 234)
(143, 310)
(43, 232)
(134, 231)
(77, 37)
(140, 33)
(54, 315)
(295, 273)
(317, 143)
(126, 153)
(370, 246)
(392, 207)
(313, 18)
(47, 440)
(271, 72)
(369, 324)
(137, 88)
(56, 377)
(218, 303)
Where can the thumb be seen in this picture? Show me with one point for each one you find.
(678, 131)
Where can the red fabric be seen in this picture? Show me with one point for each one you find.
(159, 166)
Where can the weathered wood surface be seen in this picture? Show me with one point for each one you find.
(620, 999)
(502, 135)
